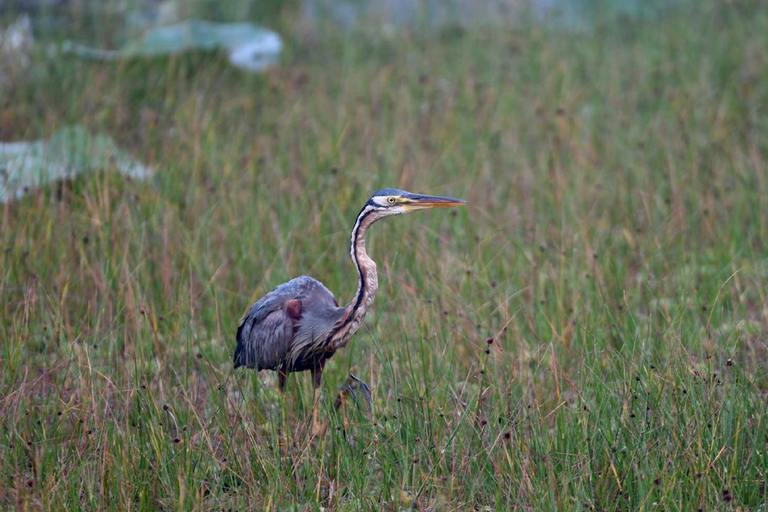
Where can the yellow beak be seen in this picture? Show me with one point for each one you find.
(420, 202)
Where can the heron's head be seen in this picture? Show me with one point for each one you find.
(391, 201)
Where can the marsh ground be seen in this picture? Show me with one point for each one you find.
(615, 251)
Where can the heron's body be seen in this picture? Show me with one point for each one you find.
(299, 325)
(285, 335)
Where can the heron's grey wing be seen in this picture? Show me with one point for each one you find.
(267, 332)
(263, 342)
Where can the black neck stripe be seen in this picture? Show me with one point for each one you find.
(359, 299)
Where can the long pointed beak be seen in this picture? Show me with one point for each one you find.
(419, 202)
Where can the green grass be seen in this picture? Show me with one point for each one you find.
(615, 249)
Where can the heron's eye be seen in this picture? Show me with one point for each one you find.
(391, 200)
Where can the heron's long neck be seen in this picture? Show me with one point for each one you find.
(368, 282)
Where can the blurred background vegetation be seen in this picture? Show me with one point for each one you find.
(588, 334)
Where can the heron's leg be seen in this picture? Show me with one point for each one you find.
(341, 403)
(345, 420)
(282, 429)
(349, 391)
(318, 428)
